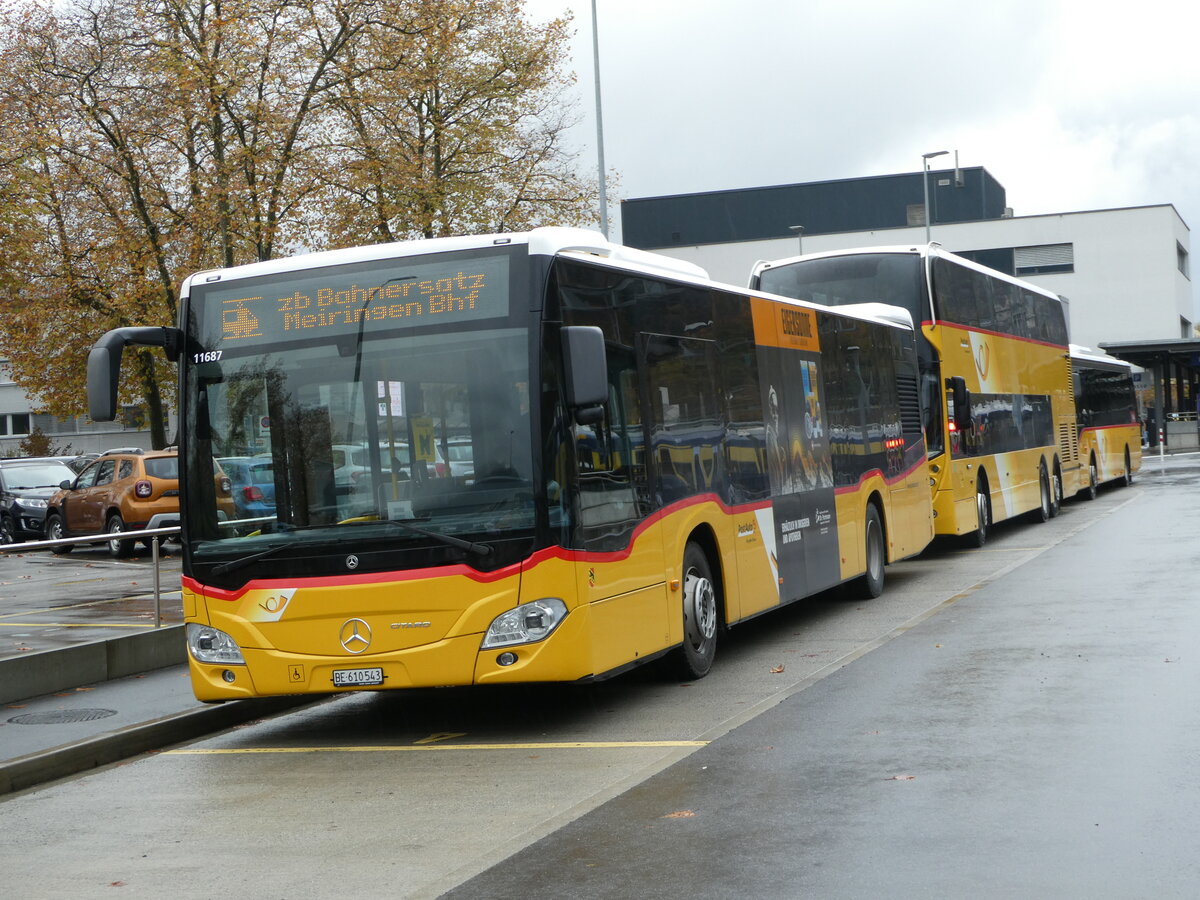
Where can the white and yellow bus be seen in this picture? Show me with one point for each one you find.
(642, 459)
(1110, 430)
(996, 393)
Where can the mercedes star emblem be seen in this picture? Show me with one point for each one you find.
(355, 636)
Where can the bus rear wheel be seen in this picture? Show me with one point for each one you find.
(700, 613)
(1127, 475)
(1056, 498)
(870, 584)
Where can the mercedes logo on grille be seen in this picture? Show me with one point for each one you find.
(355, 636)
(351, 561)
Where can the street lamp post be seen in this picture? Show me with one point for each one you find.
(925, 158)
(599, 125)
(799, 229)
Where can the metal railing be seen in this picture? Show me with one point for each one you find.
(154, 534)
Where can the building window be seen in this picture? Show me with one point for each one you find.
(914, 213)
(1181, 260)
(14, 424)
(1044, 260)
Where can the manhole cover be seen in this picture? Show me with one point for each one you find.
(62, 716)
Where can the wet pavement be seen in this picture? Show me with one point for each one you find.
(49, 602)
(1040, 738)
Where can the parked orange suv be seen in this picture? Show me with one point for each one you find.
(123, 490)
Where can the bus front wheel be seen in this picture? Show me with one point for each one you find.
(1042, 511)
(983, 513)
(700, 612)
(1089, 490)
(1127, 476)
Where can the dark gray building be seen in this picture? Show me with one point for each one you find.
(822, 207)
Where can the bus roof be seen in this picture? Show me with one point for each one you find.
(578, 243)
(1087, 355)
(541, 242)
(928, 251)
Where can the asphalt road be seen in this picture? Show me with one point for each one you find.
(1004, 722)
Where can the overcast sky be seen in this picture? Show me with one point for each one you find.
(1070, 104)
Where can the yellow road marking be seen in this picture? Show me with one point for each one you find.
(551, 745)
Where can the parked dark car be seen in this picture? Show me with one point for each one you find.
(25, 486)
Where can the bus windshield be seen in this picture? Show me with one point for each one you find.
(374, 438)
(893, 278)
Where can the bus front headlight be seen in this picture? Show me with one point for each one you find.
(526, 624)
(210, 645)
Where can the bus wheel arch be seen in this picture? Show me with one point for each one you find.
(702, 605)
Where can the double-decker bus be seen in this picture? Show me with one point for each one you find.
(1110, 431)
(642, 458)
(996, 393)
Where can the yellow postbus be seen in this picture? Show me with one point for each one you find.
(642, 458)
(996, 393)
(1110, 431)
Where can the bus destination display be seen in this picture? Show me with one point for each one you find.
(330, 303)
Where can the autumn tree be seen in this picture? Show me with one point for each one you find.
(463, 133)
(153, 138)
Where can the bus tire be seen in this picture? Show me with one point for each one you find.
(1041, 512)
(1089, 489)
(700, 614)
(1127, 475)
(1056, 494)
(983, 514)
(869, 585)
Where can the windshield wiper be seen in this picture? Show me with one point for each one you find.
(470, 546)
(235, 564)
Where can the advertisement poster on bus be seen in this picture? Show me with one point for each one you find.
(800, 471)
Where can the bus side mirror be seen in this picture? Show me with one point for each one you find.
(962, 402)
(585, 371)
(104, 364)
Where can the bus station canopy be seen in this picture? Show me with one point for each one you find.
(1175, 367)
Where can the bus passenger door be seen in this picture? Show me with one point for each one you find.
(623, 571)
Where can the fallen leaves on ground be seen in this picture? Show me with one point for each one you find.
(680, 814)
(775, 670)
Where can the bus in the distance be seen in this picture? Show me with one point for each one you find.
(996, 394)
(521, 457)
(1110, 430)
